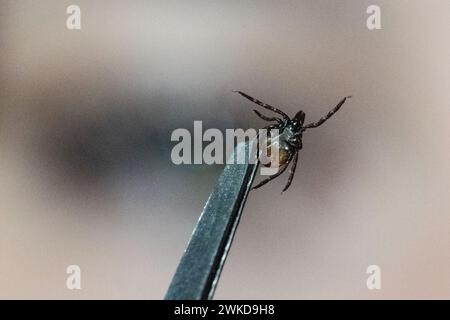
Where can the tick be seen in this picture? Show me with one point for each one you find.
(290, 136)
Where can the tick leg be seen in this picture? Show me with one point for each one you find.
(259, 114)
(268, 128)
(328, 116)
(272, 176)
(264, 105)
(291, 172)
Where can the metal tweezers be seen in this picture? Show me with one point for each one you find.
(200, 267)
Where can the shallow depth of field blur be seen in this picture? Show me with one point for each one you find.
(85, 123)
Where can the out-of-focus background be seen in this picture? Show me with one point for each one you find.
(85, 123)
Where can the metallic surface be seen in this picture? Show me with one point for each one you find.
(199, 270)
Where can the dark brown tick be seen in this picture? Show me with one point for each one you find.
(290, 136)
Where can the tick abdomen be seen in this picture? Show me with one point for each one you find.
(283, 151)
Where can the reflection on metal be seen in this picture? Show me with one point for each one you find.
(199, 270)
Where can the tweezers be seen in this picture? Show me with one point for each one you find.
(200, 267)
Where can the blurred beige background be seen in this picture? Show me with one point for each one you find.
(85, 123)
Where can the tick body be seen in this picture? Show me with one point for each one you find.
(289, 141)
